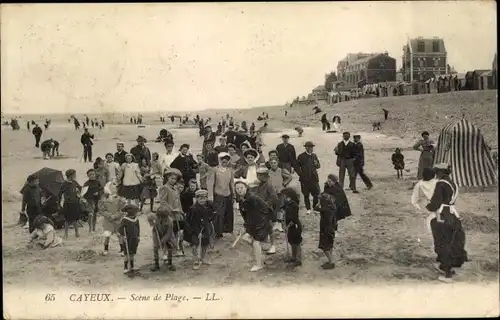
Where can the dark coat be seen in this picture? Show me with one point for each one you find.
(256, 214)
(344, 151)
(341, 201)
(141, 153)
(306, 168)
(86, 139)
(199, 220)
(120, 157)
(358, 154)
(186, 165)
(286, 153)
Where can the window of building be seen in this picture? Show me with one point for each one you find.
(420, 46)
(421, 62)
(421, 76)
(436, 62)
(435, 46)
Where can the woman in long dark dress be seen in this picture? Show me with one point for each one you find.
(257, 216)
(426, 147)
(447, 231)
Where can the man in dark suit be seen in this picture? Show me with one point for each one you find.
(286, 154)
(345, 161)
(359, 161)
(307, 166)
(86, 141)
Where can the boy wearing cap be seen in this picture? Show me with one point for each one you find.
(266, 192)
(199, 227)
(307, 166)
(130, 230)
(286, 154)
(220, 187)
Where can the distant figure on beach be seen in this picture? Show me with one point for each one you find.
(37, 133)
(336, 123)
(286, 113)
(426, 147)
(325, 124)
(386, 114)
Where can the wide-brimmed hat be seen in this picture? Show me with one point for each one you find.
(253, 152)
(141, 139)
(120, 143)
(201, 193)
(262, 170)
(285, 136)
(223, 155)
(173, 171)
(208, 126)
(309, 144)
(131, 208)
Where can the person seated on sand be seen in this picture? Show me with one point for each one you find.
(44, 235)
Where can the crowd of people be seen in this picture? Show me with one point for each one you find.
(194, 198)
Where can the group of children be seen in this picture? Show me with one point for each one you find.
(187, 213)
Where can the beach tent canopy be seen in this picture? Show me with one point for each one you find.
(462, 146)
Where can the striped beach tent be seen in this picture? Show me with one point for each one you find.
(462, 146)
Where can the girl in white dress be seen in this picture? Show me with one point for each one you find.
(131, 180)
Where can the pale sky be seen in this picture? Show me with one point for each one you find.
(184, 57)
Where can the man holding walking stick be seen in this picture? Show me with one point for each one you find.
(87, 143)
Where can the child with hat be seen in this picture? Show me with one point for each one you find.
(130, 230)
(199, 227)
(163, 239)
(109, 209)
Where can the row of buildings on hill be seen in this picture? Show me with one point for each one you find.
(423, 59)
(425, 69)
